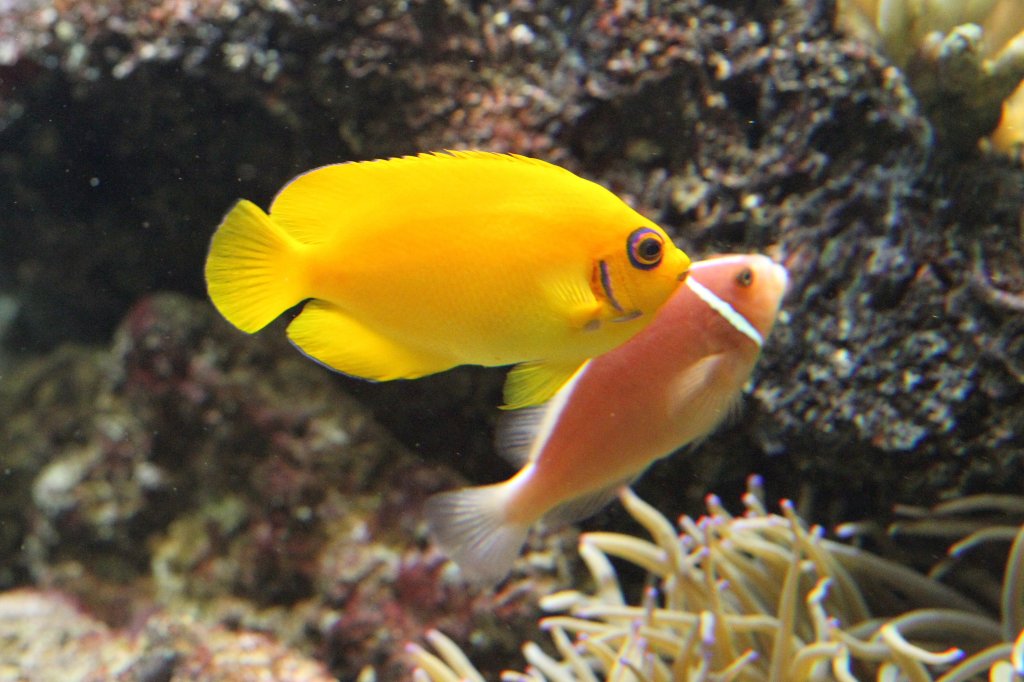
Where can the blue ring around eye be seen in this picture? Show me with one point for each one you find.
(637, 238)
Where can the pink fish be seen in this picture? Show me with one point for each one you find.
(670, 385)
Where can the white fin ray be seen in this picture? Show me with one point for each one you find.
(706, 406)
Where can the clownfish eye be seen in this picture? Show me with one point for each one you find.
(745, 277)
(645, 248)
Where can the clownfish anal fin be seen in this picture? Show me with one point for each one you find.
(584, 506)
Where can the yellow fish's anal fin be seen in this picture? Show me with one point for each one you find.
(532, 383)
(326, 334)
(253, 269)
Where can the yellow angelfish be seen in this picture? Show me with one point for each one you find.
(418, 264)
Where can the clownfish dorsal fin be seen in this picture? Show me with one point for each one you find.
(516, 433)
(522, 433)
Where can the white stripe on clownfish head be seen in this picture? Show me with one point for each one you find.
(740, 323)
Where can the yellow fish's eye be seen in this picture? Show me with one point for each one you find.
(745, 277)
(645, 248)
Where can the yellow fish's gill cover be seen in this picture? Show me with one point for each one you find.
(418, 264)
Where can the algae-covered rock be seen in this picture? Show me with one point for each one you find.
(190, 470)
(46, 637)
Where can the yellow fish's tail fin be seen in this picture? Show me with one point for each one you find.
(532, 383)
(253, 271)
(470, 527)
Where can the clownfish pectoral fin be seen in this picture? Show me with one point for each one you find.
(532, 383)
(584, 506)
(324, 333)
(469, 525)
(253, 270)
(697, 379)
(697, 394)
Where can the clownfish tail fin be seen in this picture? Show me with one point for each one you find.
(470, 526)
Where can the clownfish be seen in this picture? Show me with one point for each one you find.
(414, 265)
(670, 385)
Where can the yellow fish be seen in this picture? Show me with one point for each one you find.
(418, 264)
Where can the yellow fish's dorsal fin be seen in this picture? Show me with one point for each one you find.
(314, 205)
(326, 334)
(480, 155)
(254, 269)
(532, 383)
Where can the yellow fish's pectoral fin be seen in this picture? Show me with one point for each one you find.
(581, 307)
(326, 334)
(532, 383)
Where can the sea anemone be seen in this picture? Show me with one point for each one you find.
(963, 58)
(759, 597)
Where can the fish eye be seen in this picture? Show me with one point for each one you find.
(745, 277)
(645, 248)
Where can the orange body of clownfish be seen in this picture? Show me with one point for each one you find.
(414, 265)
(670, 385)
